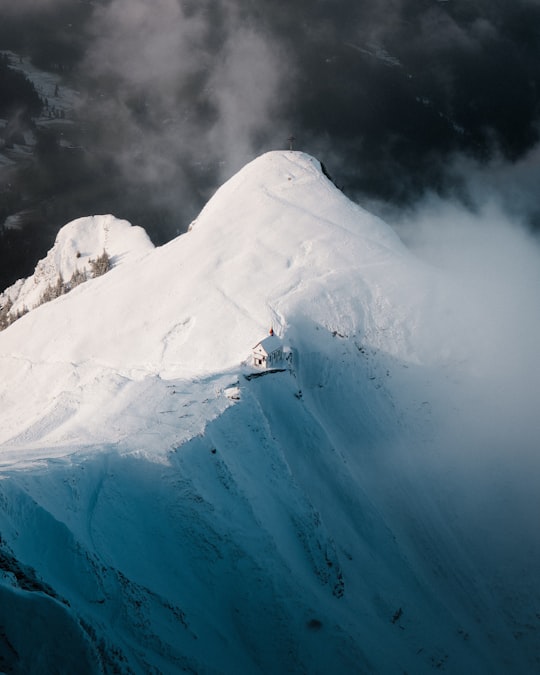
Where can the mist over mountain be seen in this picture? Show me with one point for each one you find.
(401, 101)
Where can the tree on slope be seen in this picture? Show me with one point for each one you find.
(100, 265)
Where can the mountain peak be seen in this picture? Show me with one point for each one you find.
(277, 244)
(77, 244)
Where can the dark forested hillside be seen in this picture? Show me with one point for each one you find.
(18, 96)
(52, 34)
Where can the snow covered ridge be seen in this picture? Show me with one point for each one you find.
(277, 241)
(78, 246)
(277, 245)
(164, 510)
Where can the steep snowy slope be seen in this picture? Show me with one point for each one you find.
(176, 514)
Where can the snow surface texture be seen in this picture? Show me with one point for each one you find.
(170, 513)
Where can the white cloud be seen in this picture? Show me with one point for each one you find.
(245, 89)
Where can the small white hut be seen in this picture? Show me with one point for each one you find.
(268, 352)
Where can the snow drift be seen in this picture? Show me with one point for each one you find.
(306, 524)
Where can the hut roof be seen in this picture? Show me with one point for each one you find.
(271, 343)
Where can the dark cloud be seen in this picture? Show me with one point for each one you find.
(389, 94)
(398, 99)
(29, 7)
(179, 97)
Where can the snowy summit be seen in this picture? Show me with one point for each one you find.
(169, 505)
(277, 244)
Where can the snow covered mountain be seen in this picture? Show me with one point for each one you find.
(166, 507)
(78, 243)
